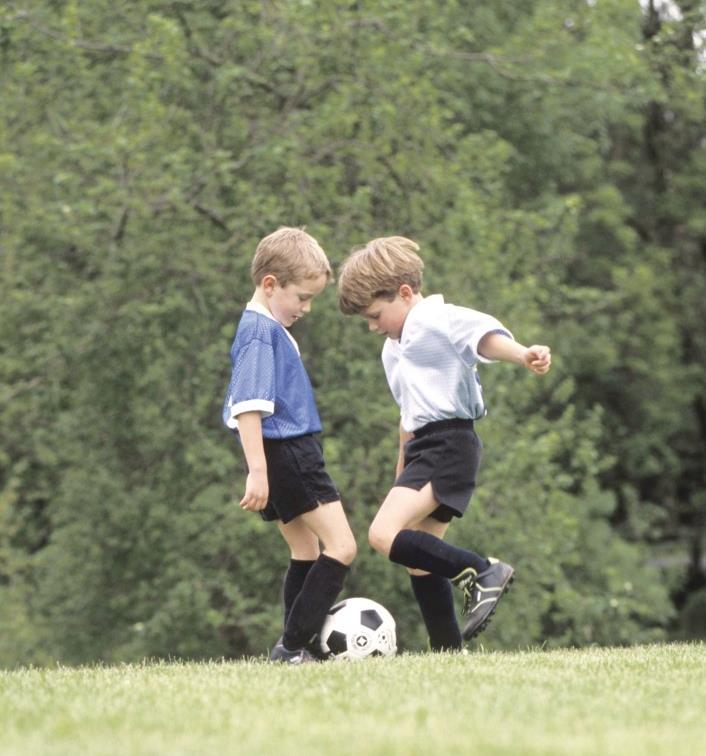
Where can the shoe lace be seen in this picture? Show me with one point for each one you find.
(467, 587)
(468, 599)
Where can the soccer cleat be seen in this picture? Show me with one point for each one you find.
(281, 654)
(314, 648)
(481, 593)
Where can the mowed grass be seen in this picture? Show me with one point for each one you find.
(643, 700)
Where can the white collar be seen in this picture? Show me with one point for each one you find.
(257, 307)
(433, 300)
(261, 310)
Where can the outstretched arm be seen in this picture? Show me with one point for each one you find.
(496, 346)
(256, 486)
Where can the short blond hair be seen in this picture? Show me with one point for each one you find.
(290, 255)
(376, 271)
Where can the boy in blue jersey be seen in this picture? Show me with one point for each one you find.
(270, 405)
(430, 357)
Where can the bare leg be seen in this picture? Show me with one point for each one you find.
(396, 533)
(404, 508)
(303, 542)
(304, 550)
(325, 579)
(329, 523)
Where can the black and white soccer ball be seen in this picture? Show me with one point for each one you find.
(356, 628)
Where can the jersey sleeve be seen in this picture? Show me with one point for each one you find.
(467, 327)
(390, 363)
(252, 383)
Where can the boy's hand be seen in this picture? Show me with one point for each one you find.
(256, 492)
(538, 359)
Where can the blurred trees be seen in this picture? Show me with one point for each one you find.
(549, 158)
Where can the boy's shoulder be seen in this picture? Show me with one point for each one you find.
(434, 325)
(256, 325)
(434, 304)
(253, 325)
(438, 311)
(430, 316)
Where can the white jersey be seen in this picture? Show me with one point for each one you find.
(432, 368)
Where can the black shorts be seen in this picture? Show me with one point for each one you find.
(297, 478)
(446, 453)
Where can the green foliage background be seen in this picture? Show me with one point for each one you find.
(550, 158)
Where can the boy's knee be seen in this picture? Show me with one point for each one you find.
(349, 551)
(344, 550)
(380, 539)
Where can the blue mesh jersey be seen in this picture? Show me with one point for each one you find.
(269, 376)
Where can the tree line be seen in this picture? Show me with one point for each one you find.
(549, 159)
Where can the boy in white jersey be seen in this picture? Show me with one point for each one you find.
(270, 405)
(430, 358)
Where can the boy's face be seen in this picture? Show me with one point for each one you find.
(387, 318)
(289, 303)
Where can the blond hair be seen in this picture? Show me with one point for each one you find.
(290, 255)
(376, 271)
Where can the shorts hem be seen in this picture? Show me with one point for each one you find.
(288, 517)
(444, 512)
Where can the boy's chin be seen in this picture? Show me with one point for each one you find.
(285, 320)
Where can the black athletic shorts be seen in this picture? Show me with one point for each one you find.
(297, 478)
(447, 453)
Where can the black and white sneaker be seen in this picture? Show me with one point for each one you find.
(299, 656)
(481, 593)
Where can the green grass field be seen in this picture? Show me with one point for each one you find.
(644, 700)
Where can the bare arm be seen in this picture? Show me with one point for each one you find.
(256, 487)
(404, 437)
(496, 346)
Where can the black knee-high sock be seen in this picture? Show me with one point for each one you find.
(321, 586)
(294, 581)
(434, 595)
(423, 551)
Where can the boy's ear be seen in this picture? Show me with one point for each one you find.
(405, 291)
(268, 283)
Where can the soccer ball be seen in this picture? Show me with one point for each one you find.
(358, 627)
